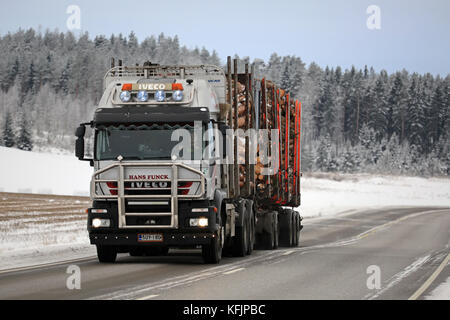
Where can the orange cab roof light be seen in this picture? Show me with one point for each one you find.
(177, 86)
(127, 87)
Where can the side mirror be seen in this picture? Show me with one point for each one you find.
(81, 130)
(79, 148)
(79, 143)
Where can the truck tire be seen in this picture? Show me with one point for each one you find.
(286, 228)
(270, 239)
(298, 228)
(241, 236)
(212, 253)
(276, 230)
(251, 227)
(106, 254)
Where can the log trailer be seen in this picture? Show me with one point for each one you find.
(147, 199)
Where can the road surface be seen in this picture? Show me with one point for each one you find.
(395, 253)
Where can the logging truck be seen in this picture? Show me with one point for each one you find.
(197, 156)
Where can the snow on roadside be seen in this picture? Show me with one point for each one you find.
(44, 173)
(441, 292)
(328, 194)
(49, 254)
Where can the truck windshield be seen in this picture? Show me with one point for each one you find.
(138, 143)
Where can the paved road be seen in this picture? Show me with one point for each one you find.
(405, 246)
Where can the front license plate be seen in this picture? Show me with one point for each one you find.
(150, 237)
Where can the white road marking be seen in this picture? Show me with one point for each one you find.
(401, 275)
(148, 297)
(183, 280)
(234, 270)
(430, 280)
(288, 252)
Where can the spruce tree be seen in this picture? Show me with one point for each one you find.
(415, 116)
(8, 137)
(24, 139)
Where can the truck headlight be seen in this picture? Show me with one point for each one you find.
(97, 223)
(198, 222)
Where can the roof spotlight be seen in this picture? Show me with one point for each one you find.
(125, 96)
(160, 96)
(142, 96)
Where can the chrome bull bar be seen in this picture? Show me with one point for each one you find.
(121, 196)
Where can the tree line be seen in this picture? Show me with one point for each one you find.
(354, 120)
(358, 120)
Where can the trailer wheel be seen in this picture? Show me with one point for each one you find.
(106, 253)
(212, 253)
(276, 230)
(298, 228)
(287, 228)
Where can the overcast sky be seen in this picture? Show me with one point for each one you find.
(414, 34)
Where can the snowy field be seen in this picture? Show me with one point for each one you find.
(44, 173)
(42, 229)
(330, 194)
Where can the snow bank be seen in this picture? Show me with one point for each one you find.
(442, 292)
(45, 173)
(334, 194)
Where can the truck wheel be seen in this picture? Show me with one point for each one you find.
(286, 228)
(212, 253)
(106, 253)
(241, 236)
(251, 228)
(298, 228)
(276, 230)
(270, 239)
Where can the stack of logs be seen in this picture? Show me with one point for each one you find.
(274, 104)
(275, 107)
(243, 114)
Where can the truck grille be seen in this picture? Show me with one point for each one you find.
(148, 221)
(147, 203)
(140, 188)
